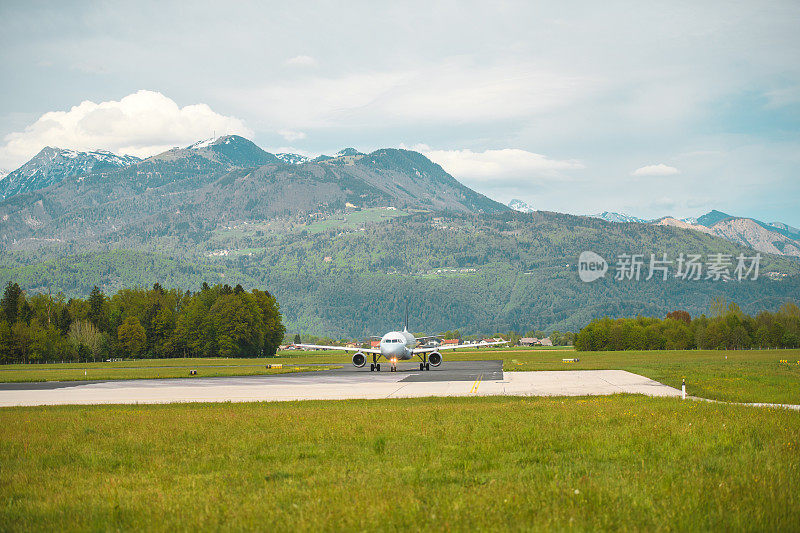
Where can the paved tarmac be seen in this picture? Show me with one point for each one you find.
(456, 378)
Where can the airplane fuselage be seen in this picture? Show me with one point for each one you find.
(398, 345)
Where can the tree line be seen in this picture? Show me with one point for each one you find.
(728, 328)
(219, 321)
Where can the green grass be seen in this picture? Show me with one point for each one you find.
(149, 369)
(355, 219)
(621, 462)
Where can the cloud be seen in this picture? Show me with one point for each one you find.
(656, 170)
(142, 124)
(291, 135)
(301, 61)
(446, 92)
(508, 164)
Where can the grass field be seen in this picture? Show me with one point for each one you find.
(733, 375)
(621, 462)
(149, 369)
(355, 219)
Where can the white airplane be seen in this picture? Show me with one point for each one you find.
(399, 346)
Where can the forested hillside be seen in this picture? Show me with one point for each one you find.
(475, 273)
(219, 321)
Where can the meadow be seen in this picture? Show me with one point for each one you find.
(150, 369)
(619, 462)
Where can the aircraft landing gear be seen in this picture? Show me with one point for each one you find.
(375, 366)
(424, 365)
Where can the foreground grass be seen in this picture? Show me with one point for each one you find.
(622, 462)
(149, 369)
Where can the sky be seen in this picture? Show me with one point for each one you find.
(651, 109)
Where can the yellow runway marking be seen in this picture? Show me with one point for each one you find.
(475, 385)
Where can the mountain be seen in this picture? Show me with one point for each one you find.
(52, 165)
(773, 238)
(344, 242)
(519, 205)
(749, 232)
(711, 218)
(231, 150)
(618, 217)
(229, 178)
(293, 159)
(348, 152)
(3, 173)
(478, 273)
(683, 224)
(785, 229)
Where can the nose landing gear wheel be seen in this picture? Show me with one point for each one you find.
(372, 367)
(422, 366)
(378, 367)
(427, 366)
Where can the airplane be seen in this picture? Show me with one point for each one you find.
(398, 346)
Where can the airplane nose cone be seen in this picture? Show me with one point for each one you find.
(395, 350)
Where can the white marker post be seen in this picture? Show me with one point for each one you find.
(683, 389)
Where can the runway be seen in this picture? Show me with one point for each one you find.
(457, 378)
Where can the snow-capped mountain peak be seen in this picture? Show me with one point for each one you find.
(611, 216)
(52, 165)
(519, 205)
(293, 159)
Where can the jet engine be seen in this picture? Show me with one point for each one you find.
(435, 358)
(359, 360)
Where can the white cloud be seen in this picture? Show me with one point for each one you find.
(655, 170)
(508, 164)
(301, 61)
(291, 135)
(142, 124)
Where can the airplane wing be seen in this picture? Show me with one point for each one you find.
(322, 347)
(429, 338)
(453, 347)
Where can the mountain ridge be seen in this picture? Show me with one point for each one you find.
(773, 238)
(52, 165)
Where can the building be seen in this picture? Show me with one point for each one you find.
(533, 341)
